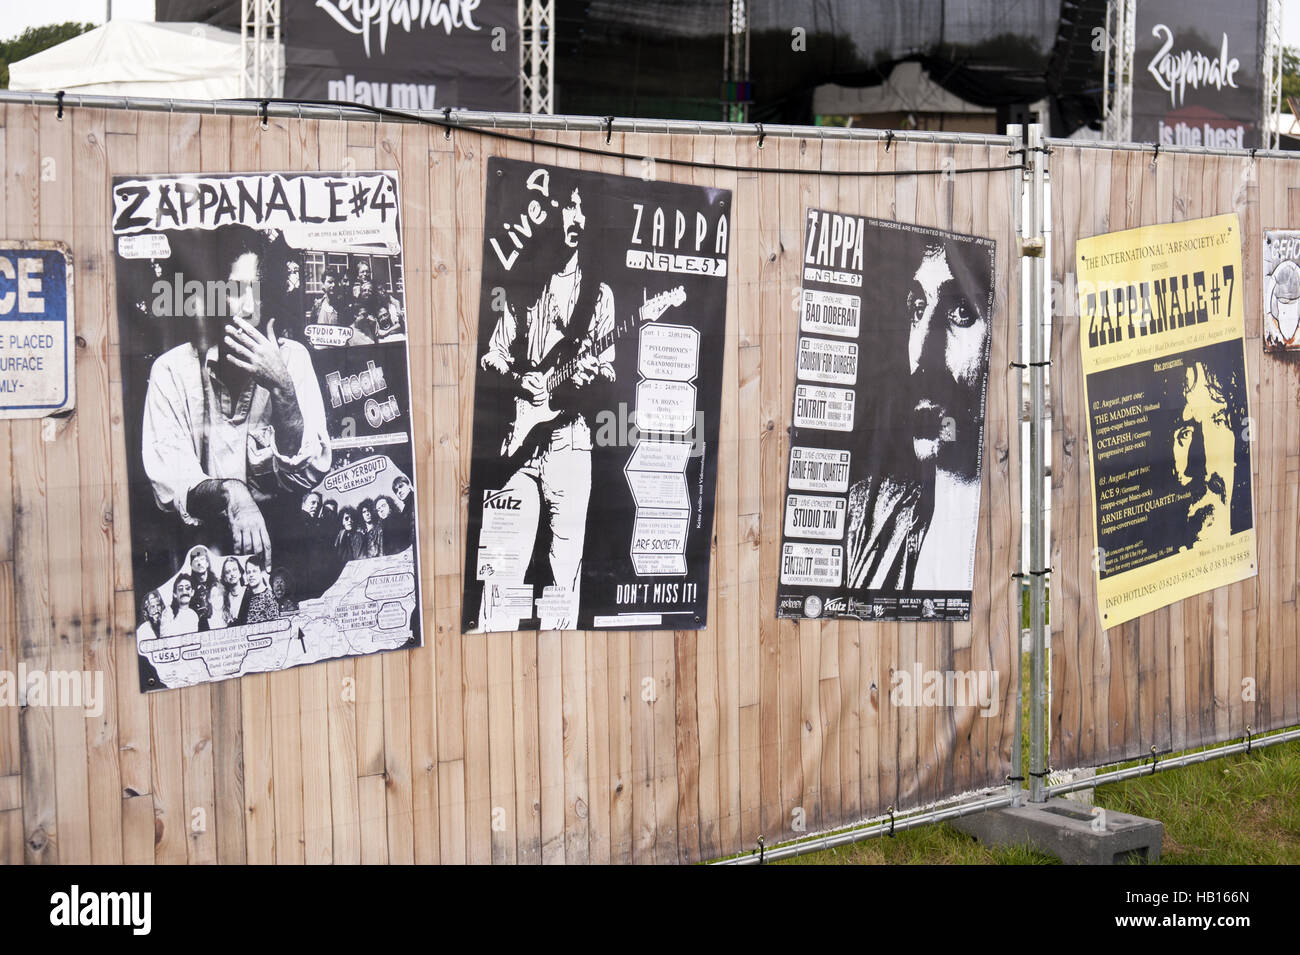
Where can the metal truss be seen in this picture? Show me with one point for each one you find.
(259, 44)
(1271, 73)
(537, 55)
(1117, 88)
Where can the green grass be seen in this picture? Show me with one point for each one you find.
(1242, 809)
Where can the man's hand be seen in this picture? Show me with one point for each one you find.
(247, 527)
(586, 371)
(534, 386)
(229, 501)
(259, 355)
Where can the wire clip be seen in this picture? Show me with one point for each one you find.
(889, 139)
(446, 119)
(761, 135)
(609, 128)
(59, 96)
(761, 850)
(1250, 736)
(891, 821)
(262, 111)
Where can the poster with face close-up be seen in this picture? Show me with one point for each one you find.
(886, 451)
(1281, 290)
(266, 404)
(1162, 338)
(602, 313)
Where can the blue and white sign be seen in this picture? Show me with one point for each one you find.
(36, 329)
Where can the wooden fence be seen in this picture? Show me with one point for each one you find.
(502, 748)
(1224, 663)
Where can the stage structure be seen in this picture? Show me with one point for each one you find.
(260, 40)
(261, 36)
(1140, 48)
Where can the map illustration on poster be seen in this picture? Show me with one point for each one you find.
(1162, 338)
(599, 381)
(886, 453)
(267, 412)
(1196, 73)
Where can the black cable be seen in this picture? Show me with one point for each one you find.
(448, 125)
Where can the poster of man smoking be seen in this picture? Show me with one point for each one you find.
(599, 375)
(886, 452)
(267, 413)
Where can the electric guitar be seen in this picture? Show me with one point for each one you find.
(559, 369)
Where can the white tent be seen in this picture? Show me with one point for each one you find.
(129, 57)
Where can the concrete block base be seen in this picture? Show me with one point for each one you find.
(1064, 829)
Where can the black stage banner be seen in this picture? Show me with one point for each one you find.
(1196, 73)
(417, 55)
(267, 410)
(601, 322)
(886, 451)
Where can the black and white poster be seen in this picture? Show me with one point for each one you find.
(404, 55)
(599, 378)
(266, 398)
(1196, 73)
(1281, 290)
(883, 488)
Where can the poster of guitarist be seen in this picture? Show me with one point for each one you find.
(566, 373)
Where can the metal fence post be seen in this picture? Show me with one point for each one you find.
(1016, 133)
(1034, 248)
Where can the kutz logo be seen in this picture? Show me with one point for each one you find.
(501, 501)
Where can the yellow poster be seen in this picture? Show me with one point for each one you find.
(1169, 430)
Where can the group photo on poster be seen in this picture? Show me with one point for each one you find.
(602, 316)
(1162, 340)
(886, 450)
(266, 405)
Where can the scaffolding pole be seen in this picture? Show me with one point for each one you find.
(1033, 249)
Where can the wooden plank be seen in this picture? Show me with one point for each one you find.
(725, 616)
(63, 525)
(313, 703)
(371, 794)
(10, 744)
(550, 729)
(286, 754)
(450, 789)
(30, 527)
(139, 828)
(259, 787)
(345, 805)
(420, 264)
(11, 837)
(92, 248)
(527, 768)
